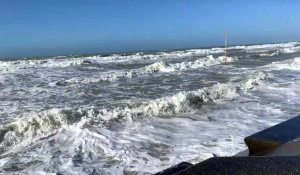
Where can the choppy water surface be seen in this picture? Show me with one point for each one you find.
(141, 113)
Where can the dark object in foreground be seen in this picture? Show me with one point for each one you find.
(253, 165)
(175, 169)
(274, 150)
(267, 140)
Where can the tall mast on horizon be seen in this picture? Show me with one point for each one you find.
(225, 46)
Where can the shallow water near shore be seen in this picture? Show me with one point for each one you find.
(141, 113)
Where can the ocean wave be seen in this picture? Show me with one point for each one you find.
(62, 62)
(265, 47)
(38, 125)
(48, 122)
(207, 61)
(157, 56)
(292, 64)
(156, 67)
(269, 54)
(12, 66)
(290, 50)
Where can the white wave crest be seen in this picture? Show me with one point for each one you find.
(266, 47)
(207, 61)
(158, 67)
(293, 64)
(290, 50)
(61, 62)
(38, 125)
(156, 56)
(153, 68)
(48, 122)
(12, 66)
(202, 62)
(269, 54)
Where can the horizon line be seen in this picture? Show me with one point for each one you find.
(134, 51)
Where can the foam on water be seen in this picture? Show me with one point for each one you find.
(269, 54)
(12, 66)
(51, 125)
(291, 49)
(156, 67)
(157, 56)
(38, 125)
(61, 62)
(89, 151)
(266, 47)
(293, 64)
(48, 122)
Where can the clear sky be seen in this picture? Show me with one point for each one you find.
(58, 27)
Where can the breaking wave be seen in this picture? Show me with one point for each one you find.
(48, 122)
(37, 125)
(269, 54)
(293, 64)
(207, 61)
(93, 128)
(12, 66)
(158, 56)
(62, 62)
(154, 68)
(291, 49)
(266, 47)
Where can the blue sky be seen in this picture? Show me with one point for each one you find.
(58, 27)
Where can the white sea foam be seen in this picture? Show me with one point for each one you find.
(290, 50)
(266, 47)
(207, 61)
(12, 66)
(137, 136)
(38, 125)
(48, 122)
(61, 62)
(292, 64)
(157, 56)
(157, 67)
(148, 147)
(269, 54)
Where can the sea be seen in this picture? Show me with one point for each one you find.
(140, 113)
